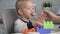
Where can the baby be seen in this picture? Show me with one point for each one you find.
(26, 10)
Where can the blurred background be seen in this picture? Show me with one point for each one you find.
(9, 4)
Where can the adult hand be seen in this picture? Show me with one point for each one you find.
(50, 15)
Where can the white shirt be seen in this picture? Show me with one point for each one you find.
(19, 26)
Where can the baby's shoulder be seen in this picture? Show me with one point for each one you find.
(19, 21)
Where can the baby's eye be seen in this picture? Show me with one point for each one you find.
(33, 8)
(29, 8)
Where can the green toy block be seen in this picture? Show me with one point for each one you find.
(51, 24)
(48, 25)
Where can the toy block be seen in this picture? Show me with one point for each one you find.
(42, 31)
(29, 30)
(25, 31)
(48, 25)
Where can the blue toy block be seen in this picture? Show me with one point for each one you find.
(43, 31)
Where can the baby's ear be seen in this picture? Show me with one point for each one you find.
(20, 12)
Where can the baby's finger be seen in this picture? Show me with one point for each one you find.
(40, 24)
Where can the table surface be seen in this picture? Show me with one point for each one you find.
(50, 33)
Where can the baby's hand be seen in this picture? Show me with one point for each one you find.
(38, 21)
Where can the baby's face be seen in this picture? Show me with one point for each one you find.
(29, 10)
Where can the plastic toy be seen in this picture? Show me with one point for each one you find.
(42, 31)
(46, 28)
(48, 25)
(29, 30)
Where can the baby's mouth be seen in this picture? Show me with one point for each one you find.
(32, 14)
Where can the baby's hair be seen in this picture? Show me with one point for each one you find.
(19, 4)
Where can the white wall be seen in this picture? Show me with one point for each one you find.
(6, 4)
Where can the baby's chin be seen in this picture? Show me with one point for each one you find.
(30, 17)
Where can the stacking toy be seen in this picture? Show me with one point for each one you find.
(29, 30)
(46, 28)
(42, 31)
(48, 25)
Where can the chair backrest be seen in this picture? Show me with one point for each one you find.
(9, 17)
